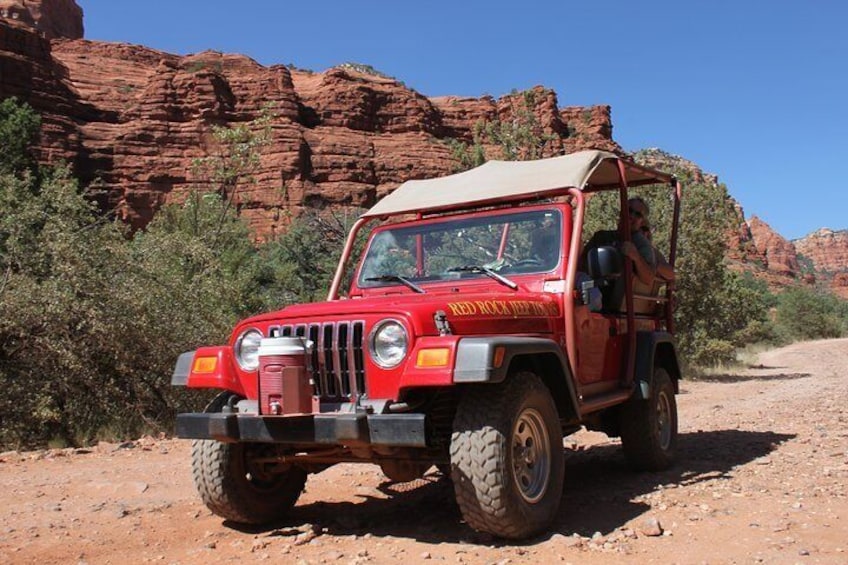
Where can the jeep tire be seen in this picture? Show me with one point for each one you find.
(649, 427)
(235, 487)
(507, 457)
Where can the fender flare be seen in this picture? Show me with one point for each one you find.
(650, 347)
(182, 369)
(478, 360)
(222, 374)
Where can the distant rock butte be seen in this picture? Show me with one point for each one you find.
(827, 251)
(826, 248)
(131, 121)
(821, 257)
(776, 253)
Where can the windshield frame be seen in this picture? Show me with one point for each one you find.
(475, 219)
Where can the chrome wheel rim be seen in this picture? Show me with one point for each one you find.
(531, 455)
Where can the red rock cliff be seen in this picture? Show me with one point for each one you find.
(53, 18)
(826, 251)
(29, 72)
(133, 119)
(777, 254)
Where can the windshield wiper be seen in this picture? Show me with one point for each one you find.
(397, 278)
(486, 271)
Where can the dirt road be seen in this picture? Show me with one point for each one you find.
(762, 472)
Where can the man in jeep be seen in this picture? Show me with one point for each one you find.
(638, 249)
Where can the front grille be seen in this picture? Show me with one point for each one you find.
(337, 365)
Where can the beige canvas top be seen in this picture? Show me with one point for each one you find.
(502, 181)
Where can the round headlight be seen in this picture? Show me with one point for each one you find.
(247, 349)
(389, 344)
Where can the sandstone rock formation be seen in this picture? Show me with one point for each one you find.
(826, 250)
(777, 254)
(15, 13)
(29, 72)
(132, 120)
(53, 18)
(588, 126)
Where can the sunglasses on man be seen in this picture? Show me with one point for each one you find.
(636, 213)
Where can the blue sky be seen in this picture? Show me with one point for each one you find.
(754, 91)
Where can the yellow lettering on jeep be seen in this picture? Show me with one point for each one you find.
(515, 308)
(493, 307)
(462, 308)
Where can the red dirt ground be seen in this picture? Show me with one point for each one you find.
(761, 477)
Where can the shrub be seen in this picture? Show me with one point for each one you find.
(718, 310)
(91, 321)
(807, 314)
(19, 127)
(60, 265)
(520, 138)
(301, 263)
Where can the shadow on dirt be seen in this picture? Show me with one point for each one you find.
(737, 378)
(598, 496)
(600, 488)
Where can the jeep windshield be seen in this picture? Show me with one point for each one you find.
(463, 248)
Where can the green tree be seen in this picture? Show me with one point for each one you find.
(300, 264)
(59, 262)
(717, 310)
(519, 138)
(235, 159)
(804, 313)
(19, 128)
(92, 321)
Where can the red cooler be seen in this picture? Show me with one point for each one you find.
(284, 386)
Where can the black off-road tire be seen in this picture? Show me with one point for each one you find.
(649, 427)
(507, 457)
(234, 487)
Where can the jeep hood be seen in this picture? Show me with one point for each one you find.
(467, 313)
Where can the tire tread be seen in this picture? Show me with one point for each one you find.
(219, 477)
(638, 437)
(478, 457)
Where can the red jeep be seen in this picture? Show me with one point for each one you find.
(472, 338)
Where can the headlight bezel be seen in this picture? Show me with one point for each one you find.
(378, 357)
(239, 350)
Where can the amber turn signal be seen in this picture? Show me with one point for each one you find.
(433, 357)
(205, 365)
(499, 357)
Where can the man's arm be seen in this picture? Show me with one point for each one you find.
(641, 252)
(664, 269)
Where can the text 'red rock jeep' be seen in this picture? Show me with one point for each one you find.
(471, 339)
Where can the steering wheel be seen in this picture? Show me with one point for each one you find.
(529, 262)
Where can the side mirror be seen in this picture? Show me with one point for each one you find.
(604, 263)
